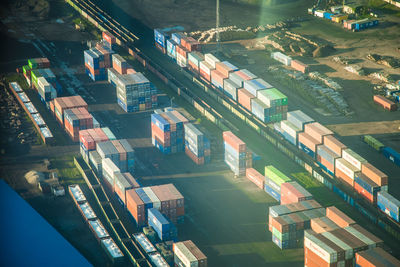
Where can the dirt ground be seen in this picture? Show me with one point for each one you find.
(363, 128)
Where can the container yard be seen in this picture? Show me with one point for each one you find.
(160, 135)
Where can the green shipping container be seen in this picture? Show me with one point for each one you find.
(279, 235)
(26, 69)
(32, 63)
(35, 75)
(373, 142)
(275, 175)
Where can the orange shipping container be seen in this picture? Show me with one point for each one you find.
(339, 217)
(244, 98)
(376, 257)
(297, 65)
(308, 141)
(344, 177)
(333, 144)
(385, 103)
(374, 174)
(317, 131)
(135, 206)
(313, 260)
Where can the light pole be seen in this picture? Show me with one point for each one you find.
(171, 100)
(217, 26)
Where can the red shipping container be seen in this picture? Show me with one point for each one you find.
(244, 98)
(292, 192)
(107, 36)
(234, 141)
(374, 174)
(92, 71)
(135, 206)
(254, 176)
(339, 217)
(190, 43)
(223, 69)
(181, 51)
(368, 196)
(205, 75)
(192, 156)
(385, 103)
(193, 66)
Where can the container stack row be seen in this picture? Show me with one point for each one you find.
(119, 151)
(90, 137)
(338, 17)
(40, 77)
(335, 158)
(335, 239)
(288, 222)
(256, 95)
(134, 91)
(165, 198)
(76, 119)
(167, 131)
(186, 253)
(97, 60)
(235, 153)
(197, 146)
(60, 104)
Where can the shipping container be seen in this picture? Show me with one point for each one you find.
(334, 144)
(392, 155)
(374, 174)
(389, 205)
(256, 84)
(297, 65)
(353, 158)
(317, 131)
(385, 103)
(136, 207)
(284, 59)
(244, 98)
(165, 229)
(254, 176)
(299, 119)
(375, 257)
(240, 76)
(339, 217)
(211, 59)
(292, 192)
(323, 224)
(308, 144)
(345, 171)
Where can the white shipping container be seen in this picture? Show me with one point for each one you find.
(206, 67)
(319, 13)
(284, 59)
(321, 249)
(181, 60)
(353, 158)
(211, 59)
(290, 128)
(156, 201)
(183, 253)
(346, 167)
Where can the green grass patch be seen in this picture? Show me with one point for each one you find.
(67, 171)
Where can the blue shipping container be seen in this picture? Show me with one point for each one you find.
(272, 192)
(392, 155)
(307, 150)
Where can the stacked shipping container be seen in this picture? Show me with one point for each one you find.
(292, 192)
(61, 104)
(375, 257)
(167, 131)
(235, 153)
(164, 228)
(134, 91)
(273, 181)
(97, 60)
(197, 146)
(188, 254)
(88, 140)
(77, 119)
